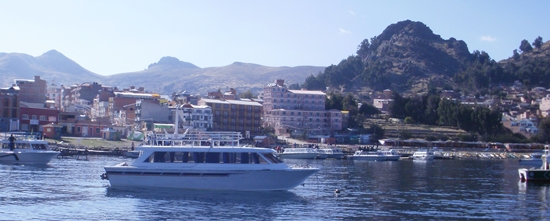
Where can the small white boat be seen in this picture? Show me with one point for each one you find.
(541, 174)
(208, 161)
(379, 155)
(423, 154)
(132, 154)
(26, 150)
(333, 152)
(303, 153)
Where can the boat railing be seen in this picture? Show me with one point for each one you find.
(203, 138)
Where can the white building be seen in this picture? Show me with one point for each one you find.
(195, 116)
(298, 111)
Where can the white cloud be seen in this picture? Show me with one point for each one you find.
(487, 38)
(351, 12)
(344, 31)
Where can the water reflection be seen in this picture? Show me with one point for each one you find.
(203, 195)
(196, 204)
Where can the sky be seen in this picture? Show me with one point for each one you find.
(110, 37)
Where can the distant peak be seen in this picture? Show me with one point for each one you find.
(172, 61)
(52, 53)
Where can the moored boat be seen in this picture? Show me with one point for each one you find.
(206, 160)
(25, 150)
(423, 154)
(332, 152)
(541, 174)
(379, 155)
(303, 153)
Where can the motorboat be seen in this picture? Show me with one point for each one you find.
(378, 155)
(303, 153)
(25, 150)
(208, 161)
(423, 154)
(541, 174)
(332, 152)
(132, 154)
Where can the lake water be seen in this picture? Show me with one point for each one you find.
(70, 189)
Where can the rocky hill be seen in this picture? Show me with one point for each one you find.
(408, 57)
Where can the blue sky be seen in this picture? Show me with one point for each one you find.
(110, 37)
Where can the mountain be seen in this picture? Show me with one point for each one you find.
(167, 75)
(171, 75)
(51, 66)
(408, 57)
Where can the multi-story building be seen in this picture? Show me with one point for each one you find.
(121, 99)
(235, 115)
(86, 91)
(34, 118)
(298, 111)
(544, 105)
(195, 116)
(32, 91)
(54, 94)
(100, 107)
(9, 109)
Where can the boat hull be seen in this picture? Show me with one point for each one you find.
(255, 180)
(301, 156)
(24, 157)
(534, 175)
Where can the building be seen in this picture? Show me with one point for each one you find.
(54, 94)
(544, 105)
(34, 118)
(235, 115)
(9, 109)
(86, 91)
(298, 111)
(32, 91)
(195, 116)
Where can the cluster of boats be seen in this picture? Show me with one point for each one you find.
(217, 161)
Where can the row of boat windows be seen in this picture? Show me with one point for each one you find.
(25, 146)
(211, 157)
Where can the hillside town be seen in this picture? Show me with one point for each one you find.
(90, 109)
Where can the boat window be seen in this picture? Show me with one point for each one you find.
(245, 158)
(271, 158)
(213, 157)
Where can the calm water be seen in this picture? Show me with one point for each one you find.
(70, 189)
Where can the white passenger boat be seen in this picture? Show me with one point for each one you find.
(379, 155)
(26, 150)
(206, 160)
(303, 153)
(333, 152)
(423, 154)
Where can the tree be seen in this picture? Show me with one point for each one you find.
(248, 94)
(314, 83)
(544, 130)
(525, 46)
(368, 110)
(294, 86)
(363, 48)
(537, 43)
